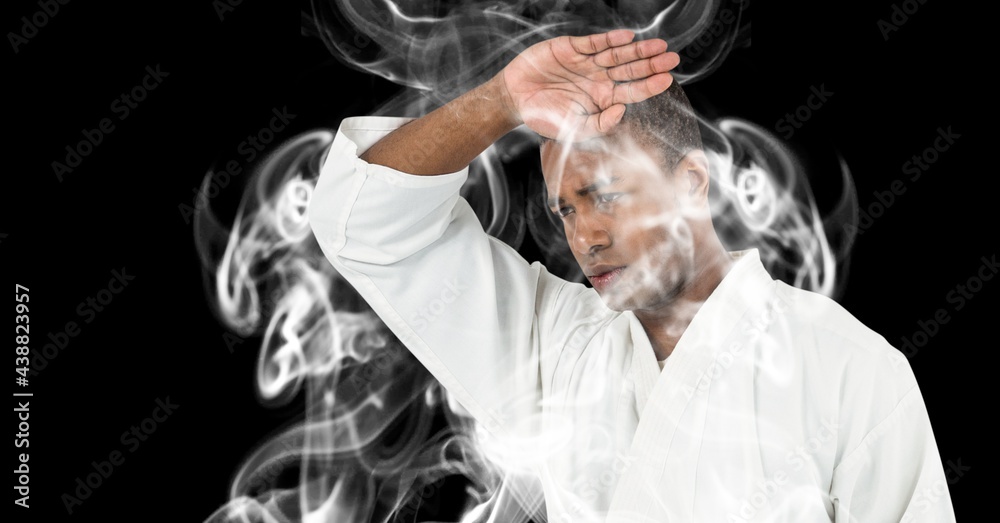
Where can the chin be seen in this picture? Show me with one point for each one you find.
(647, 299)
(617, 302)
(625, 295)
(615, 306)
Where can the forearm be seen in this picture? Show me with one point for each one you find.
(450, 137)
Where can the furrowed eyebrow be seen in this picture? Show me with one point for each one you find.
(587, 189)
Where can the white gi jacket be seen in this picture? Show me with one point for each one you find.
(775, 405)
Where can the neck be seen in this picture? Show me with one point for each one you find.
(665, 325)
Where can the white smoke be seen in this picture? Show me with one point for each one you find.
(380, 439)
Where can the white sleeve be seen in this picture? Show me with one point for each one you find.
(464, 303)
(894, 473)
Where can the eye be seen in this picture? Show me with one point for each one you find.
(562, 212)
(608, 198)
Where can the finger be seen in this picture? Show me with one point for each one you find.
(596, 43)
(624, 54)
(604, 121)
(639, 69)
(639, 90)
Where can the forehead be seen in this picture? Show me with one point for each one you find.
(568, 167)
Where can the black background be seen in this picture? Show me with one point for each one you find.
(158, 338)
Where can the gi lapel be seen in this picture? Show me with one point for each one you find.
(645, 370)
(703, 400)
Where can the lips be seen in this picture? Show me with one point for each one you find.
(604, 279)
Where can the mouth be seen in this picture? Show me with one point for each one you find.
(605, 279)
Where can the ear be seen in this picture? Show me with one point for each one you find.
(692, 170)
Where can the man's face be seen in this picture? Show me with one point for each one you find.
(622, 213)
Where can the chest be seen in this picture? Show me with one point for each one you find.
(716, 435)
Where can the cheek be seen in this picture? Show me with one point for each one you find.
(667, 229)
(664, 251)
(649, 233)
(646, 229)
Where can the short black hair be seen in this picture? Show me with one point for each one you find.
(665, 122)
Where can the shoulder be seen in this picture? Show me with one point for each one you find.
(831, 324)
(836, 336)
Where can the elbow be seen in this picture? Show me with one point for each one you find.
(320, 216)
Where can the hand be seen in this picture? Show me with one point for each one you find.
(576, 87)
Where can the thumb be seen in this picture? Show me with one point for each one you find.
(604, 121)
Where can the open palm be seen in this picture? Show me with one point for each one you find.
(575, 87)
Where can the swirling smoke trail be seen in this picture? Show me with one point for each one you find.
(380, 436)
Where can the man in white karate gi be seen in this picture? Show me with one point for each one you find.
(687, 384)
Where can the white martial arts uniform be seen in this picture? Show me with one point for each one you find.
(775, 405)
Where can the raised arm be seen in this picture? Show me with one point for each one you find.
(468, 306)
(576, 87)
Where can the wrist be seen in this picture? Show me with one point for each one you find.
(503, 103)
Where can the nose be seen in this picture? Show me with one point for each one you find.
(589, 234)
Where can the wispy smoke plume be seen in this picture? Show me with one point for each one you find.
(379, 436)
